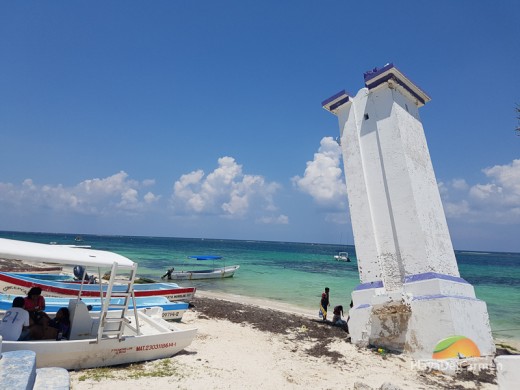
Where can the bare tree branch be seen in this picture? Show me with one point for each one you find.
(518, 117)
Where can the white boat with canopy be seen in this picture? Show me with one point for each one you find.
(342, 256)
(108, 337)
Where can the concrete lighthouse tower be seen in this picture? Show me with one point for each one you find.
(411, 295)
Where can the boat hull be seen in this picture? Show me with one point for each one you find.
(20, 285)
(172, 311)
(96, 340)
(218, 273)
(342, 256)
(88, 353)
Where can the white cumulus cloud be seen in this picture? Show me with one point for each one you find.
(459, 184)
(323, 178)
(278, 220)
(226, 192)
(93, 196)
(494, 201)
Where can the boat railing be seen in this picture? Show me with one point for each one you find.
(113, 325)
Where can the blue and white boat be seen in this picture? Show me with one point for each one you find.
(110, 337)
(45, 276)
(19, 284)
(212, 273)
(172, 311)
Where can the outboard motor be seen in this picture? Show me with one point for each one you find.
(78, 272)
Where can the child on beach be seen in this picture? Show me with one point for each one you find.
(324, 303)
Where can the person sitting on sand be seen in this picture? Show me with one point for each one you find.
(336, 319)
(15, 324)
(324, 303)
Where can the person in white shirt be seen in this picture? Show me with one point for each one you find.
(14, 325)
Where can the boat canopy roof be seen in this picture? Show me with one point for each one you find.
(205, 257)
(35, 252)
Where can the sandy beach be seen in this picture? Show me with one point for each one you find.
(243, 344)
(248, 343)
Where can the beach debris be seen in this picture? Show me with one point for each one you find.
(384, 386)
(142, 280)
(362, 386)
(389, 386)
(383, 352)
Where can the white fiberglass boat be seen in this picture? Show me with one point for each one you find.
(108, 337)
(342, 256)
(214, 273)
(211, 273)
(172, 311)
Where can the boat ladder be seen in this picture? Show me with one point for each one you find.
(113, 316)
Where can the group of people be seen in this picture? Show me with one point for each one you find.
(27, 320)
(337, 312)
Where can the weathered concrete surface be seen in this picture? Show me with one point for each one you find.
(52, 378)
(397, 216)
(411, 295)
(508, 372)
(17, 370)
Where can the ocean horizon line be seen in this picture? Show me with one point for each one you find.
(460, 251)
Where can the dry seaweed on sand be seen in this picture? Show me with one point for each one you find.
(273, 321)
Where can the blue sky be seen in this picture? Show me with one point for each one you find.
(203, 119)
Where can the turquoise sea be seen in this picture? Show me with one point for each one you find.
(296, 273)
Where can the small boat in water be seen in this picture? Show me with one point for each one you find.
(342, 256)
(110, 337)
(213, 273)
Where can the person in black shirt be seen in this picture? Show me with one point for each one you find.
(324, 303)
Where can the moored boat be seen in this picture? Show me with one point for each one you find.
(171, 311)
(342, 256)
(110, 337)
(214, 273)
(19, 284)
(156, 339)
(57, 277)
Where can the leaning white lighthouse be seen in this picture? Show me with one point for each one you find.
(411, 295)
